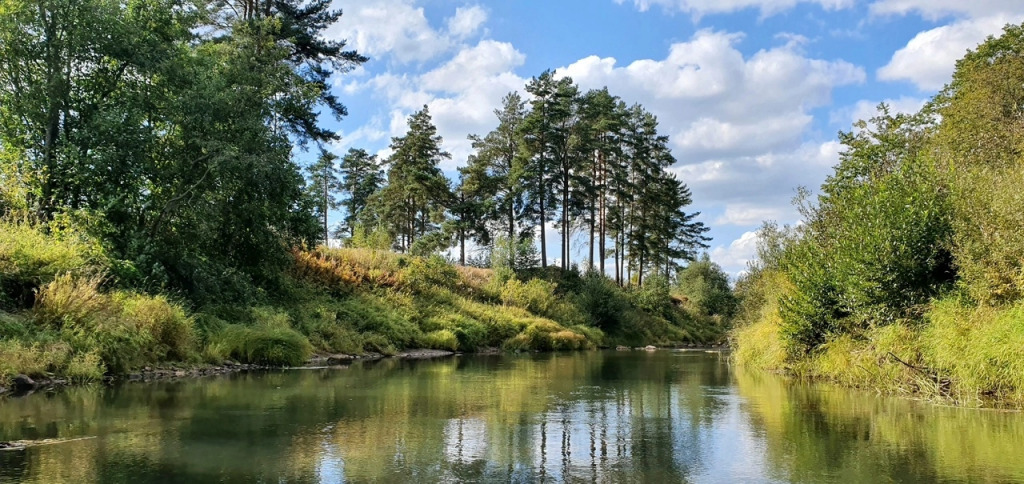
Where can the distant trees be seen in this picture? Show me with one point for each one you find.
(583, 161)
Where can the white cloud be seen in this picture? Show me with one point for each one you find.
(929, 58)
(936, 9)
(466, 21)
(746, 214)
(734, 257)
(716, 103)
(461, 94)
(392, 27)
(400, 30)
(699, 8)
(766, 180)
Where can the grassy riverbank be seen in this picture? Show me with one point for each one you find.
(907, 275)
(65, 312)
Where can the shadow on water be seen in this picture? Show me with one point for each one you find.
(579, 417)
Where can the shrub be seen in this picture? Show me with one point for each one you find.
(431, 272)
(706, 287)
(172, 330)
(654, 296)
(29, 258)
(32, 359)
(514, 255)
(125, 330)
(86, 367)
(536, 296)
(441, 339)
(269, 345)
(603, 302)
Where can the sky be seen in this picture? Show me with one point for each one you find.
(752, 93)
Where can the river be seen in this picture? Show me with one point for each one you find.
(607, 416)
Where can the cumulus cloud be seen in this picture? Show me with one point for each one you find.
(720, 108)
(461, 94)
(399, 30)
(467, 21)
(929, 58)
(767, 180)
(699, 8)
(936, 9)
(746, 214)
(734, 257)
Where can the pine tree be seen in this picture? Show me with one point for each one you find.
(414, 201)
(323, 187)
(361, 177)
(546, 133)
(500, 174)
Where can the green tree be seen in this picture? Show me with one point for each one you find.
(497, 168)
(706, 286)
(361, 177)
(546, 136)
(323, 185)
(417, 193)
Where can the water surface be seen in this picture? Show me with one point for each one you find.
(581, 417)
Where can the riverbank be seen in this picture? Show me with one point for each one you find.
(65, 315)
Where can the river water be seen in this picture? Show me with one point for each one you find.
(605, 416)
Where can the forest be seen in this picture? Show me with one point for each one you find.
(156, 208)
(907, 273)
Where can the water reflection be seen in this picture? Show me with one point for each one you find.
(583, 417)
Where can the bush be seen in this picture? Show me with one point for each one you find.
(873, 254)
(86, 367)
(441, 339)
(603, 302)
(514, 255)
(125, 330)
(536, 296)
(654, 296)
(432, 272)
(269, 345)
(29, 259)
(706, 287)
(172, 330)
(32, 359)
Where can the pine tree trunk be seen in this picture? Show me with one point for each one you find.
(462, 247)
(543, 219)
(565, 219)
(602, 215)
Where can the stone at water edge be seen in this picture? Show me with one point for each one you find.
(650, 348)
(622, 348)
(24, 383)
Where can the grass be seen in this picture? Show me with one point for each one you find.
(959, 352)
(61, 313)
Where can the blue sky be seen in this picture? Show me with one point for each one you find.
(751, 92)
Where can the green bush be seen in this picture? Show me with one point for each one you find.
(872, 254)
(441, 339)
(654, 296)
(603, 302)
(29, 258)
(270, 345)
(535, 295)
(423, 274)
(706, 286)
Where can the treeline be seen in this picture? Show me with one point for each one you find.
(907, 272)
(583, 160)
(166, 130)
